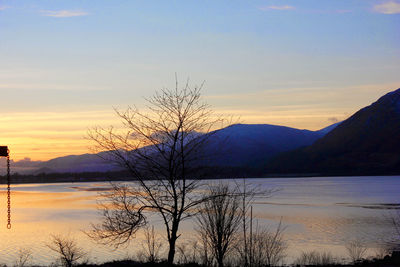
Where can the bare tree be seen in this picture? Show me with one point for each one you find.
(267, 248)
(205, 255)
(219, 220)
(356, 250)
(248, 194)
(24, 255)
(161, 149)
(315, 258)
(120, 217)
(152, 246)
(189, 252)
(382, 250)
(69, 252)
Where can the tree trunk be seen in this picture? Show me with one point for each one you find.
(171, 253)
(172, 242)
(220, 260)
(219, 252)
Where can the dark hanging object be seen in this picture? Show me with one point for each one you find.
(5, 152)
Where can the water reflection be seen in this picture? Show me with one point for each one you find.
(321, 213)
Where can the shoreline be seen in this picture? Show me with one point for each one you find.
(85, 177)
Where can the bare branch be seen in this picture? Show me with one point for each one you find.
(161, 149)
(67, 249)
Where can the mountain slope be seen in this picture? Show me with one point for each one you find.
(366, 143)
(250, 144)
(76, 164)
(239, 145)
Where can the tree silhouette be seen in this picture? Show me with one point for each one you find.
(162, 150)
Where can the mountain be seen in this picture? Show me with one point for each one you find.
(248, 145)
(366, 143)
(76, 163)
(239, 145)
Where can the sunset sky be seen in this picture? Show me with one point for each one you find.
(64, 65)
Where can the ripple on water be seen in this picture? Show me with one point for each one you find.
(319, 213)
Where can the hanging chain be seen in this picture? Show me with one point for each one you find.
(8, 194)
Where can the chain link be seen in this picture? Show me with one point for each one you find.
(8, 194)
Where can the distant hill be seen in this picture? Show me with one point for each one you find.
(248, 145)
(238, 146)
(76, 163)
(366, 143)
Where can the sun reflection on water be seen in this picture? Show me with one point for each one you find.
(312, 211)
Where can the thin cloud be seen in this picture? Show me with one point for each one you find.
(4, 7)
(342, 11)
(390, 7)
(284, 7)
(64, 13)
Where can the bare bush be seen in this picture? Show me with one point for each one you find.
(151, 247)
(356, 250)
(315, 258)
(219, 220)
(249, 193)
(382, 251)
(24, 256)
(189, 252)
(67, 249)
(266, 247)
(206, 256)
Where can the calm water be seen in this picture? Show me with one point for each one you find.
(319, 213)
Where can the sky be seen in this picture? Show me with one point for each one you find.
(64, 65)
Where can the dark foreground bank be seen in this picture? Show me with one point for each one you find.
(388, 261)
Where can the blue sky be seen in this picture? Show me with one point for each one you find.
(298, 63)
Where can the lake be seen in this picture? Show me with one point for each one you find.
(320, 213)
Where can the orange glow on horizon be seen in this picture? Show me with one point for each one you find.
(43, 137)
(47, 135)
(47, 143)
